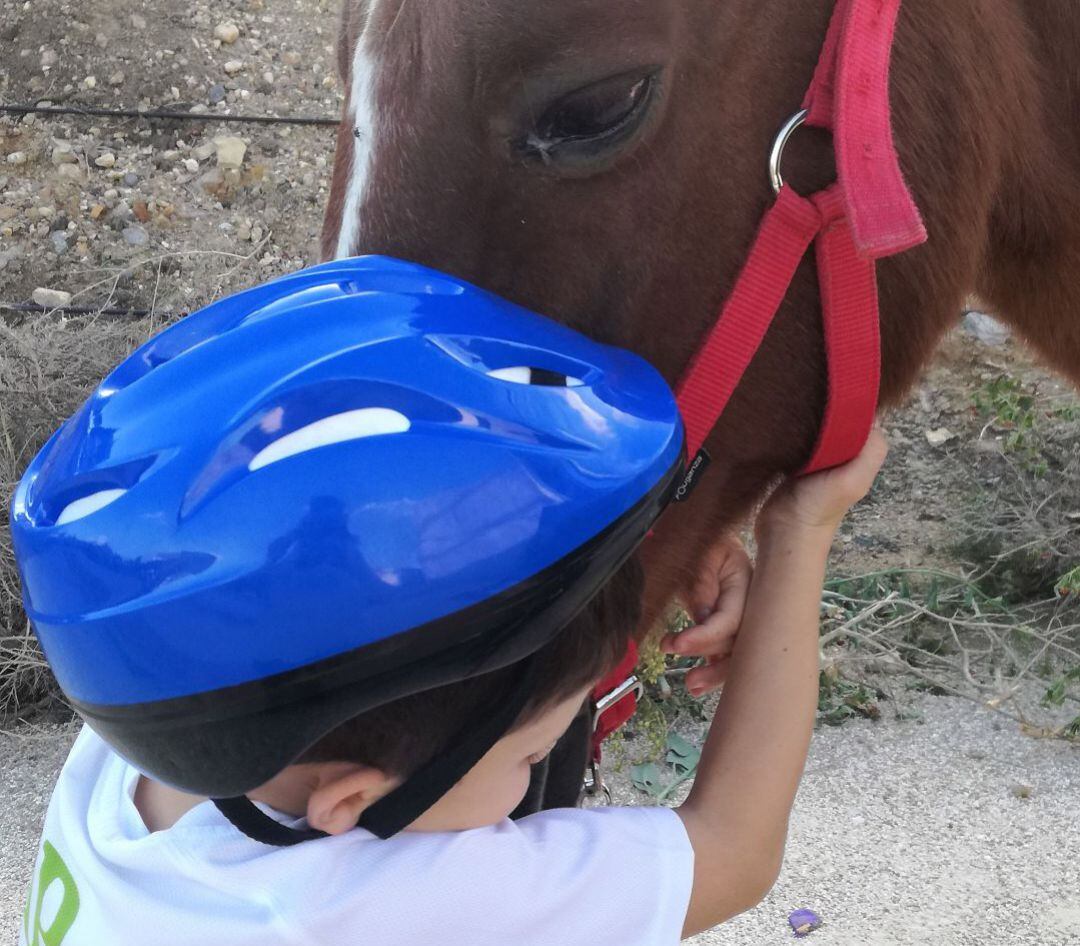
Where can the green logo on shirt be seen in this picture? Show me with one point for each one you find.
(53, 871)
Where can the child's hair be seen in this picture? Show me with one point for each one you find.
(401, 736)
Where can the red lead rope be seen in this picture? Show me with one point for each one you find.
(868, 215)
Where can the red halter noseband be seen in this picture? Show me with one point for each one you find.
(867, 215)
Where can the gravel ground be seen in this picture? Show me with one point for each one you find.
(905, 833)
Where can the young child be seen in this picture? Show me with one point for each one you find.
(223, 513)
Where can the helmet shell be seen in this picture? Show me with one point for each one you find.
(336, 479)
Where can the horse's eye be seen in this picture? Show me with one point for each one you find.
(591, 120)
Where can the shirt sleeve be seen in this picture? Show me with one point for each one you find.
(597, 877)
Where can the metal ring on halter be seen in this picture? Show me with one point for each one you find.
(777, 155)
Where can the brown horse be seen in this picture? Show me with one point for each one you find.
(604, 163)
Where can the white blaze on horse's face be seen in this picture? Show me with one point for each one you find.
(364, 123)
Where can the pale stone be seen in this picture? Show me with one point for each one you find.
(228, 33)
(230, 151)
(50, 298)
(106, 160)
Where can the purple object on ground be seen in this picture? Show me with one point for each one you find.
(804, 922)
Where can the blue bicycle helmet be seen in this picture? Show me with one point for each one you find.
(320, 495)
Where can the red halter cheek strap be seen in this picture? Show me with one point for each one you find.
(867, 215)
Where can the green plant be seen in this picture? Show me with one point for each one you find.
(840, 700)
(680, 764)
(1069, 584)
(1019, 412)
(1058, 691)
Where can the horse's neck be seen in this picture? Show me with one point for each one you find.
(1034, 235)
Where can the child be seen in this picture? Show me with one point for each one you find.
(369, 452)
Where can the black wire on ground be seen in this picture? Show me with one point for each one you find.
(87, 310)
(159, 114)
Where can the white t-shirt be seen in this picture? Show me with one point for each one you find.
(602, 877)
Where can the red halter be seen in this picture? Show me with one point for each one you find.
(867, 215)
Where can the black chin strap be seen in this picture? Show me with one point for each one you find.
(399, 808)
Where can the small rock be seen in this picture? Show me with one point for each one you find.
(106, 160)
(49, 58)
(204, 151)
(7, 213)
(291, 58)
(71, 172)
(50, 298)
(141, 211)
(138, 21)
(990, 447)
(216, 94)
(130, 179)
(939, 437)
(243, 232)
(191, 165)
(90, 82)
(62, 154)
(97, 211)
(1023, 792)
(17, 157)
(59, 240)
(59, 222)
(230, 151)
(228, 33)
(117, 78)
(233, 66)
(256, 234)
(986, 329)
(213, 182)
(135, 236)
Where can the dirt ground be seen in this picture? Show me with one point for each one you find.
(167, 216)
(157, 216)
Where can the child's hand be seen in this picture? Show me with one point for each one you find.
(716, 604)
(818, 502)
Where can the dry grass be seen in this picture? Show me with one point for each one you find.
(48, 365)
(1002, 628)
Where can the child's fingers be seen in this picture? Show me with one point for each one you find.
(715, 636)
(709, 677)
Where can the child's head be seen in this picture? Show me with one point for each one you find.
(337, 496)
(367, 756)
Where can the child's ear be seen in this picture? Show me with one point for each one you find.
(343, 791)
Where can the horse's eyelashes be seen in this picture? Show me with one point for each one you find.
(591, 121)
(592, 111)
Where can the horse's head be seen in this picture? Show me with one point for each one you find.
(603, 163)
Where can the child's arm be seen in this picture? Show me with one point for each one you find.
(737, 813)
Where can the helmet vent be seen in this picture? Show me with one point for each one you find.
(87, 505)
(338, 428)
(537, 377)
